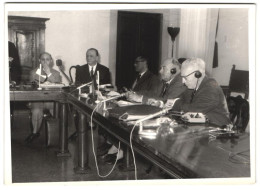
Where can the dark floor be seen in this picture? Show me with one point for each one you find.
(36, 163)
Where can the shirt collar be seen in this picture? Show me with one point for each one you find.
(169, 81)
(141, 74)
(90, 67)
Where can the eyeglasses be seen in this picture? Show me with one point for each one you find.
(185, 77)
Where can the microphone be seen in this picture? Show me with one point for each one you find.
(114, 97)
(79, 87)
(86, 84)
(164, 111)
(59, 64)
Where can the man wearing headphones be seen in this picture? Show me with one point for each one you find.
(203, 95)
(170, 88)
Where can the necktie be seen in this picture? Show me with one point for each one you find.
(92, 72)
(192, 95)
(164, 89)
(136, 81)
(138, 78)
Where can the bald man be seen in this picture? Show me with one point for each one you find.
(171, 86)
(203, 95)
(37, 108)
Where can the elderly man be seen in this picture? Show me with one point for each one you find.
(157, 94)
(203, 94)
(48, 74)
(170, 88)
(85, 73)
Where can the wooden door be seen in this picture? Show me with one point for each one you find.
(137, 34)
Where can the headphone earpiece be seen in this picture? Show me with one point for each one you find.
(173, 71)
(198, 74)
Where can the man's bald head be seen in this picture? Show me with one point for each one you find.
(169, 69)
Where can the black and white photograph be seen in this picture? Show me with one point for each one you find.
(129, 92)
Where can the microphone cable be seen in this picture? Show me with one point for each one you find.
(131, 146)
(93, 146)
(194, 91)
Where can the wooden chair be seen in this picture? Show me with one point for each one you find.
(238, 106)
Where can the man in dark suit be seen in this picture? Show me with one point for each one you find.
(171, 86)
(85, 73)
(14, 64)
(145, 81)
(88, 72)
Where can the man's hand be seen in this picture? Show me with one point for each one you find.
(133, 97)
(46, 69)
(154, 102)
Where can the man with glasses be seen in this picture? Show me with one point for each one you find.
(145, 82)
(171, 85)
(203, 95)
(145, 79)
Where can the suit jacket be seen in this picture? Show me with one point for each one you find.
(174, 90)
(208, 99)
(54, 78)
(147, 83)
(15, 66)
(83, 74)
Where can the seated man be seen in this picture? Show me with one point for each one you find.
(170, 88)
(203, 95)
(145, 81)
(37, 108)
(86, 72)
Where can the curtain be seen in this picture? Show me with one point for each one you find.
(197, 34)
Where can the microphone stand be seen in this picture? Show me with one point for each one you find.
(71, 80)
(66, 76)
(93, 96)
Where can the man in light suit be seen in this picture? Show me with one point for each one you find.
(49, 75)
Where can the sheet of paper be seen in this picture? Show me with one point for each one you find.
(38, 72)
(170, 103)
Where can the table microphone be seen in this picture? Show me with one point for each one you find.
(164, 111)
(114, 97)
(83, 85)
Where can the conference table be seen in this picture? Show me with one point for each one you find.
(184, 150)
